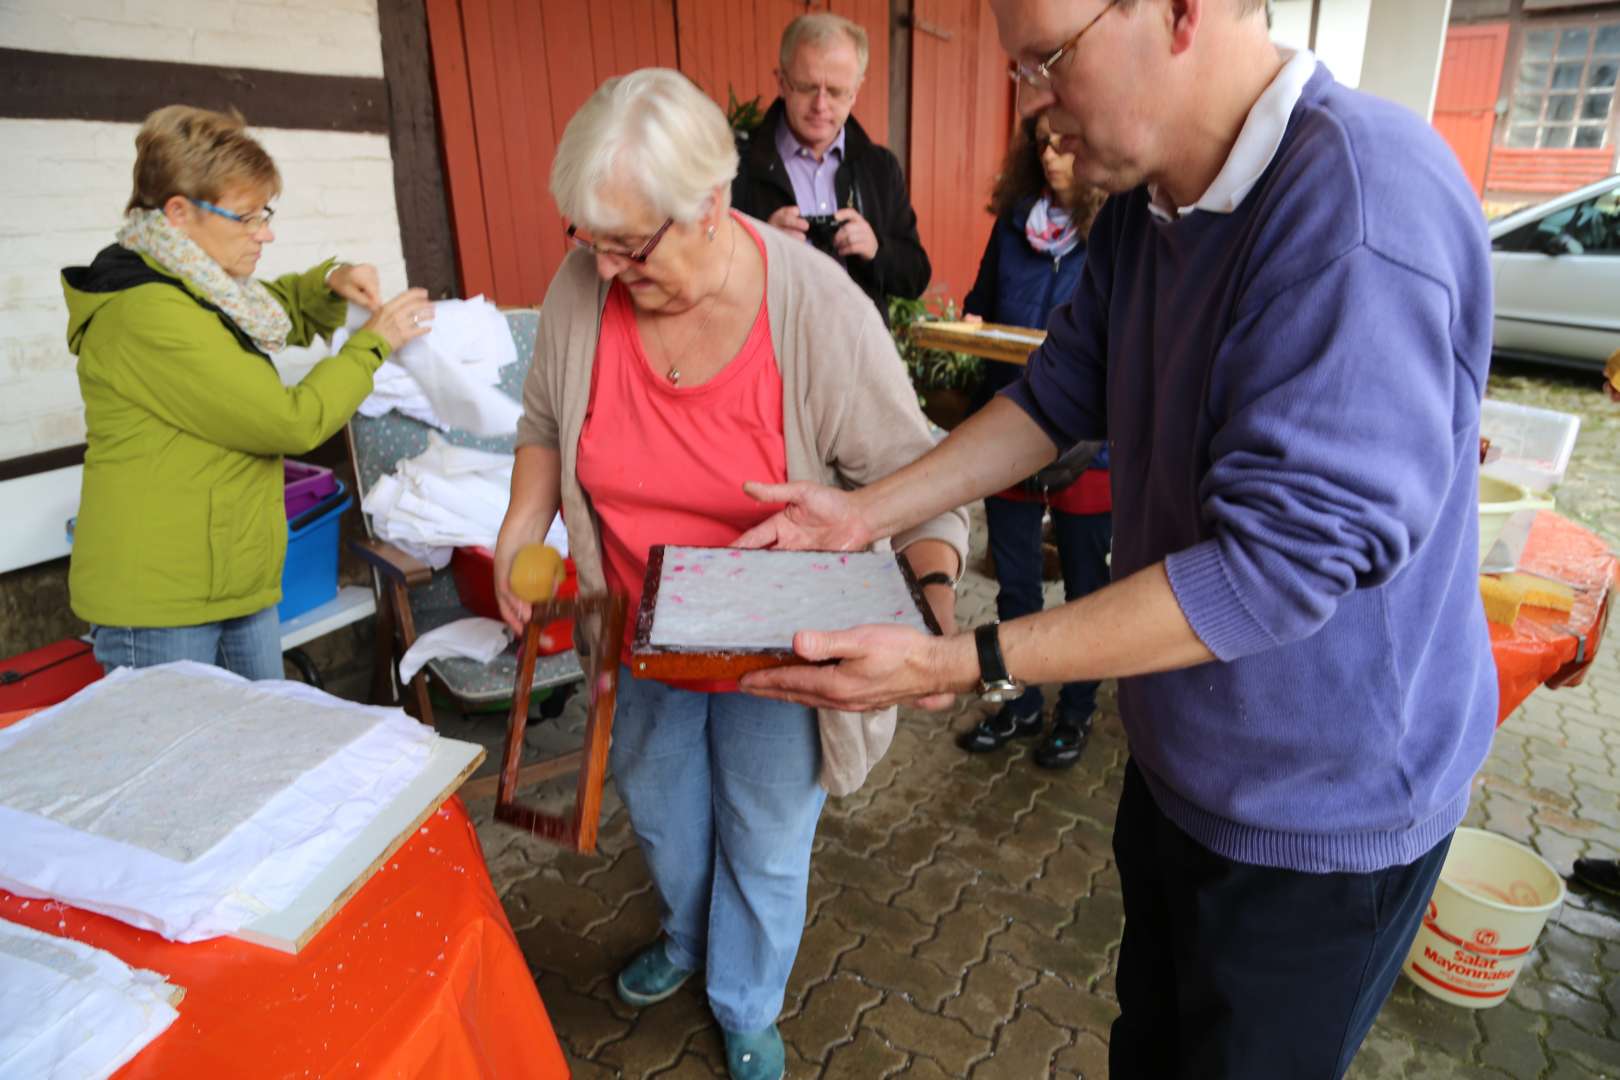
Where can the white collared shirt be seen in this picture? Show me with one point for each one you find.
(1256, 144)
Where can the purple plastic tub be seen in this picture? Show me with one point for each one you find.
(307, 485)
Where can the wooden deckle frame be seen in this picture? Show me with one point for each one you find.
(290, 929)
(684, 662)
(993, 341)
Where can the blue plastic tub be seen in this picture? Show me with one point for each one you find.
(309, 578)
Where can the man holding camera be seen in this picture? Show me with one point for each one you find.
(810, 169)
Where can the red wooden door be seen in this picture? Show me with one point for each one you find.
(1465, 101)
(961, 121)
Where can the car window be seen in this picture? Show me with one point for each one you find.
(1593, 224)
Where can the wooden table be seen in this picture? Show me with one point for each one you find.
(1551, 648)
(993, 341)
(419, 975)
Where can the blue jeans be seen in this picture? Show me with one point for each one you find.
(1015, 545)
(250, 645)
(723, 796)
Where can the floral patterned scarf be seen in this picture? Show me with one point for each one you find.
(1051, 229)
(250, 305)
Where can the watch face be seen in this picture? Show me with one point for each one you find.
(998, 693)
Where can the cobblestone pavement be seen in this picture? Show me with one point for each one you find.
(965, 913)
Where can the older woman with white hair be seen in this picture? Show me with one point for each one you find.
(683, 350)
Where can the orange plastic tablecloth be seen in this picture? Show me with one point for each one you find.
(419, 975)
(1552, 648)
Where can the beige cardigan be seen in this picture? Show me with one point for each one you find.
(849, 417)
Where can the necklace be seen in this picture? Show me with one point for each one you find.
(674, 373)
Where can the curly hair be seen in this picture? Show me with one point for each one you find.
(1022, 177)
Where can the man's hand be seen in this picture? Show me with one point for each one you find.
(855, 236)
(816, 518)
(357, 284)
(790, 221)
(875, 667)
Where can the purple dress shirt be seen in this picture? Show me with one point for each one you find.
(812, 180)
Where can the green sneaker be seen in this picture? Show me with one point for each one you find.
(650, 977)
(756, 1055)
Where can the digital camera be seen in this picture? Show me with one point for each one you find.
(823, 227)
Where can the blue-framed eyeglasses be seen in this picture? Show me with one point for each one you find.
(254, 222)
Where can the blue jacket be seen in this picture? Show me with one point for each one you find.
(1019, 286)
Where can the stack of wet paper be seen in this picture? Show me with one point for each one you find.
(71, 1010)
(188, 801)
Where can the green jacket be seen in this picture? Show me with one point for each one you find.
(181, 518)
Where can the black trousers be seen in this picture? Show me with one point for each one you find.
(1233, 970)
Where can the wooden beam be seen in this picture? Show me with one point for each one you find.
(58, 86)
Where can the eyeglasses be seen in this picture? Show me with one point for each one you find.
(1040, 76)
(838, 95)
(639, 255)
(254, 222)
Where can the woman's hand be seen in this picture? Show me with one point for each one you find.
(408, 315)
(515, 612)
(358, 284)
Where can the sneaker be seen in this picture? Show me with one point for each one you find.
(755, 1055)
(993, 732)
(650, 977)
(1599, 875)
(1066, 742)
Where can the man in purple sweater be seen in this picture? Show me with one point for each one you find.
(1283, 330)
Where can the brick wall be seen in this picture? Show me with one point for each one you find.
(65, 183)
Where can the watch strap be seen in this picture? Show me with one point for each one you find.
(992, 668)
(938, 577)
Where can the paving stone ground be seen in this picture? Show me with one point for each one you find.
(965, 914)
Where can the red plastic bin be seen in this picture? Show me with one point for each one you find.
(474, 571)
(306, 486)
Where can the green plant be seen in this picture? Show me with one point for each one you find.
(743, 116)
(931, 369)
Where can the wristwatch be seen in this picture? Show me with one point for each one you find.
(995, 685)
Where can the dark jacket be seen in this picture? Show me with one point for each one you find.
(869, 180)
(1019, 286)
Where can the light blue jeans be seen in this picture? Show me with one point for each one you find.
(723, 795)
(250, 645)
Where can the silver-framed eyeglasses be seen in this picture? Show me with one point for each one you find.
(838, 95)
(253, 222)
(1040, 76)
(638, 255)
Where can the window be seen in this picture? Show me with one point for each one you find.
(1564, 91)
(1593, 225)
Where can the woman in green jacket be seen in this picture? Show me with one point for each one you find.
(181, 532)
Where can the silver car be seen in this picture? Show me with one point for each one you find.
(1557, 271)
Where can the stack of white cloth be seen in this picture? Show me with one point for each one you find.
(449, 377)
(186, 800)
(443, 498)
(71, 1010)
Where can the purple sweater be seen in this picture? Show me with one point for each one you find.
(1294, 391)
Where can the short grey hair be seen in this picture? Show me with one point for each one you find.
(652, 130)
(818, 28)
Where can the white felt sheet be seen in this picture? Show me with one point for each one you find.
(70, 1011)
(726, 599)
(262, 862)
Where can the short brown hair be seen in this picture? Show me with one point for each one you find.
(198, 153)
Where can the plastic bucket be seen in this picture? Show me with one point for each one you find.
(1498, 501)
(1493, 898)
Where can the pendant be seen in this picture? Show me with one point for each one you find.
(674, 376)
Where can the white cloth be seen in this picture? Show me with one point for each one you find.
(473, 638)
(1256, 144)
(261, 864)
(70, 1011)
(443, 498)
(449, 377)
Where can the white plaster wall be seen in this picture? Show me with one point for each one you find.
(61, 198)
(1341, 33)
(327, 37)
(1405, 42)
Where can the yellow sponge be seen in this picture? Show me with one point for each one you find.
(1501, 600)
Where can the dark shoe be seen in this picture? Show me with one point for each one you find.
(1599, 875)
(650, 977)
(1066, 742)
(756, 1055)
(993, 732)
